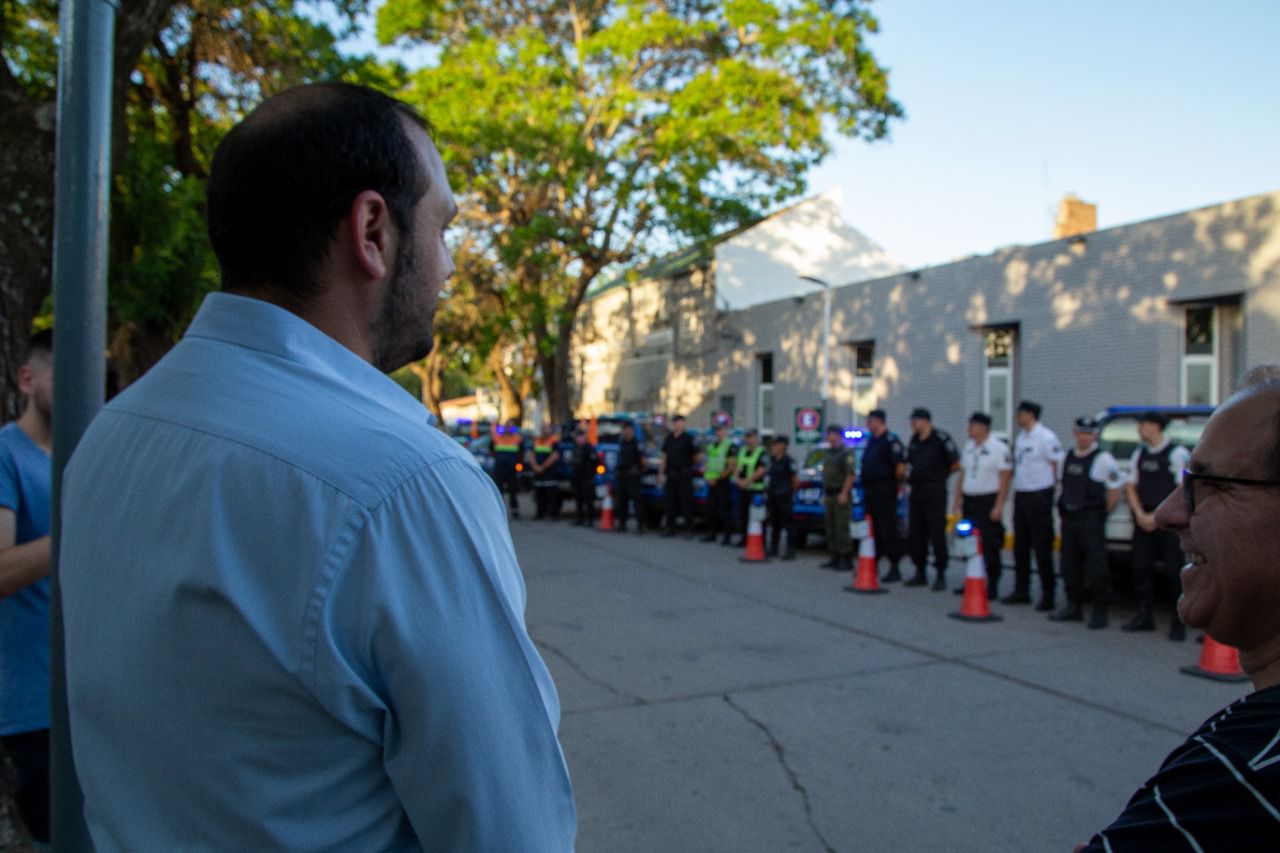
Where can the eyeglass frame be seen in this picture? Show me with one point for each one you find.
(1189, 492)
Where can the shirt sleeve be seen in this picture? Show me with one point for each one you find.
(953, 455)
(1052, 448)
(1107, 471)
(8, 480)
(898, 454)
(1004, 458)
(1133, 466)
(422, 646)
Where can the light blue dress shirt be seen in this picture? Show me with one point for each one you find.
(294, 617)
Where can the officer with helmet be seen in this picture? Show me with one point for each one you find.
(1156, 470)
(1091, 483)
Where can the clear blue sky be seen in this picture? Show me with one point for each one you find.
(1144, 108)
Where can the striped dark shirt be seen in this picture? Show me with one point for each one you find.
(1219, 791)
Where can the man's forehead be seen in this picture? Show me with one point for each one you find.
(1241, 436)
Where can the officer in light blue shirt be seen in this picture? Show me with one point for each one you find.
(294, 618)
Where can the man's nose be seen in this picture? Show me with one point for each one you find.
(1172, 513)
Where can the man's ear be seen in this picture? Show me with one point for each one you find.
(371, 233)
(26, 379)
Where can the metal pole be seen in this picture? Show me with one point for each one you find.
(826, 351)
(83, 175)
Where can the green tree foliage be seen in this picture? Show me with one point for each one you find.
(585, 134)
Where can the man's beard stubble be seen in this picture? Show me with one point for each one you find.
(403, 332)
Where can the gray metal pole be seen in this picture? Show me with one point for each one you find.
(80, 311)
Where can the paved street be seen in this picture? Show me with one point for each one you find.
(713, 705)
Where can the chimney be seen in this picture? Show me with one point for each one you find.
(1075, 217)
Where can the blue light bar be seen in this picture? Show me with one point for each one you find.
(964, 527)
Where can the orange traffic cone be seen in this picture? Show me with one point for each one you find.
(606, 508)
(975, 607)
(755, 533)
(1217, 661)
(865, 578)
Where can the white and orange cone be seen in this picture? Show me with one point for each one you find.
(975, 607)
(1218, 661)
(754, 552)
(606, 509)
(866, 578)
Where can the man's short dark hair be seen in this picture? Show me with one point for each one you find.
(40, 345)
(284, 178)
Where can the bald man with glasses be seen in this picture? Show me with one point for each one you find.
(1220, 790)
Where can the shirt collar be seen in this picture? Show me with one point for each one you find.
(1158, 448)
(254, 324)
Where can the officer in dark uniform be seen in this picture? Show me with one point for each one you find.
(1156, 470)
(931, 457)
(780, 489)
(585, 460)
(627, 475)
(544, 461)
(884, 468)
(749, 469)
(1090, 490)
(675, 471)
(508, 450)
(838, 471)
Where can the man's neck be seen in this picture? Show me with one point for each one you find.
(37, 428)
(1262, 664)
(1157, 446)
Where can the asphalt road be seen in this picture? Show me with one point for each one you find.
(715, 705)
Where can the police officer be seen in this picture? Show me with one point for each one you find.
(1156, 470)
(749, 469)
(1091, 483)
(675, 471)
(838, 469)
(780, 487)
(931, 457)
(544, 459)
(1037, 453)
(627, 476)
(884, 469)
(718, 475)
(585, 459)
(508, 450)
(986, 469)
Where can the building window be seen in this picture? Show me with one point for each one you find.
(764, 411)
(999, 345)
(726, 403)
(1200, 356)
(864, 380)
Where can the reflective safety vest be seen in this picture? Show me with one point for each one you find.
(542, 448)
(717, 459)
(509, 443)
(748, 461)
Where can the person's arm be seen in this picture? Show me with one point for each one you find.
(1002, 494)
(847, 486)
(761, 470)
(20, 565)
(1112, 478)
(956, 502)
(421, 647)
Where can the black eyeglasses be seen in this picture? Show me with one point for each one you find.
(1189, 479)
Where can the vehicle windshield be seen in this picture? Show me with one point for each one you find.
(1120, 435)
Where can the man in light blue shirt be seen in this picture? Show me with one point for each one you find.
(294, 618)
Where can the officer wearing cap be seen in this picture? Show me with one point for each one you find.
(780, 487)
(1155, 471)
(749, 469)
(718, 474)
(883, 471)
(1091, 483)
(986, 470)
(585, 459)
(931, 457)
(627, 471)
(1037, 453)
(675, 472)
(507, 448)
(838, 469)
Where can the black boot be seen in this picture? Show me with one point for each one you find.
(940, 582)
(919, 580)
(1098, 618)
(846, 562)
(833, 563)
(1073, 612)
(891, 576)
(1177, 631)
(1045, 604)
(1141, 621)
(790, 553)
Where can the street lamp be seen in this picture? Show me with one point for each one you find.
(826, 338)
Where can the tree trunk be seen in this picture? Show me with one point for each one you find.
(430, 371)
(555, 375)
(512, 405)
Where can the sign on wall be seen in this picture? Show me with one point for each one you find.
(721, 418)
(808, 425)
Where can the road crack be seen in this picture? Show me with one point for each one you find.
(781, 753)
(631, 698)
